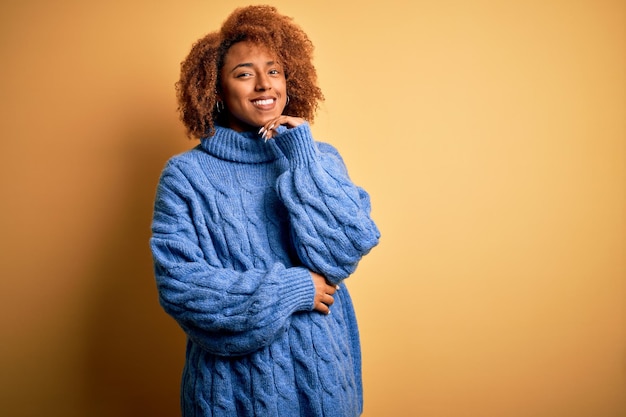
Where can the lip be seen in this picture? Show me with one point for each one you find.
(264, 102)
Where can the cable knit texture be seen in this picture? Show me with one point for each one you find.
(238, 223)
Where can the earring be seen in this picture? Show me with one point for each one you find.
(287, 100)
(219, 106)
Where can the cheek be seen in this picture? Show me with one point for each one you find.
(283, 85)
(233, 97)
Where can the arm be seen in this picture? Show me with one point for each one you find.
(331, 224)
(227, 312)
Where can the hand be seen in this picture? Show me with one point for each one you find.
(268, 130)
(323, 293)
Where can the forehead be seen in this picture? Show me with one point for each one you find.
(248, 52)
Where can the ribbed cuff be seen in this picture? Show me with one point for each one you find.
(297, 290)
(297, 144)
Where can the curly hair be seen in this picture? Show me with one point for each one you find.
(199, 81)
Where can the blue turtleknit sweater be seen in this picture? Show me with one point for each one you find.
(238, 223)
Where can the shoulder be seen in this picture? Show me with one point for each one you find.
(326, 147)
(182, 168)
(330, 151)
(184, 161)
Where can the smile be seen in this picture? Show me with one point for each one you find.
(263, 103)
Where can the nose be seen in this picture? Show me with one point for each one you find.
(263, 83)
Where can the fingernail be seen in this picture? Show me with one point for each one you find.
(261, 130)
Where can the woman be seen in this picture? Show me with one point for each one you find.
(256, 228)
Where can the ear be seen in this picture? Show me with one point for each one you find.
(218, 95)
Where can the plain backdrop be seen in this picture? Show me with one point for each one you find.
(491, 137)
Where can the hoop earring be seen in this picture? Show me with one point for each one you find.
(219, 106)
(287, 103)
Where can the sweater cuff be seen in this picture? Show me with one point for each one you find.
(297, 144)
(297, 290)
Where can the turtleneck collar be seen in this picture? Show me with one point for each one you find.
(244, 147)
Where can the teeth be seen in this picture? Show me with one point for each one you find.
(263, 102)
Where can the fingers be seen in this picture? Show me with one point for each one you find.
(268, 130)
(323, 294)
(329, 288)
(327, 299)
(323, 306)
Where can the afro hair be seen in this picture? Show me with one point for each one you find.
(199, 80)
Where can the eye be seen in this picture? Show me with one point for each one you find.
(244, 75)
(274, 72)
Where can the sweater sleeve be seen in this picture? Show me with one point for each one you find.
(330, 216)
(226, 311)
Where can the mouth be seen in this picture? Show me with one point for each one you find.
(264, 103)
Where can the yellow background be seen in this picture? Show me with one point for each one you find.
(490, 135)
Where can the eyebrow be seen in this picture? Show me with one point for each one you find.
(250, 65)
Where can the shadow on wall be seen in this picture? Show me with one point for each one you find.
(134, 351)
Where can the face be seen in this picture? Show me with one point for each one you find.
(254, 89)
